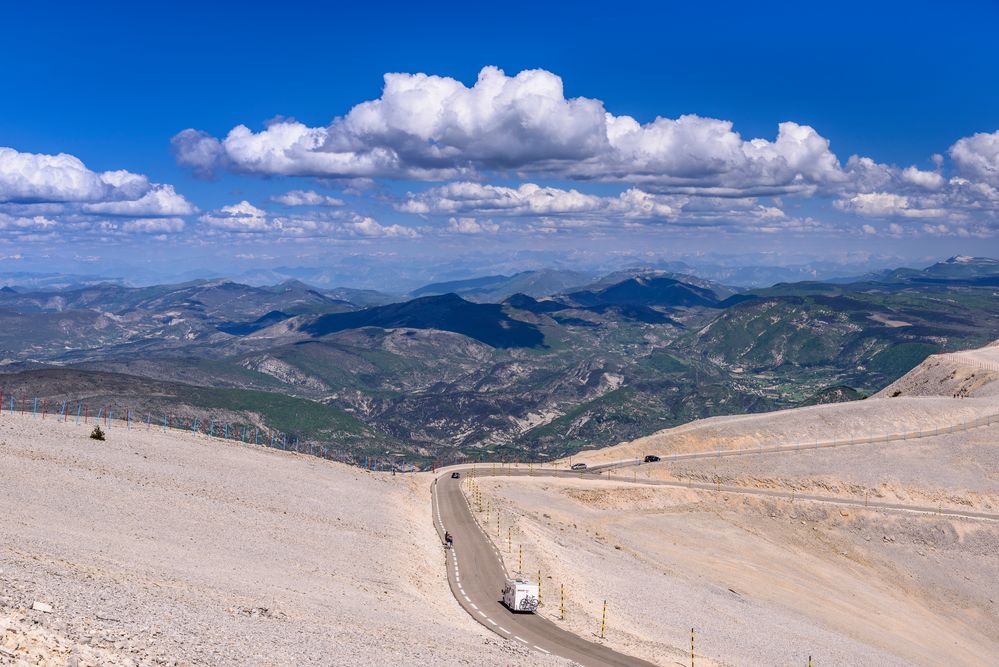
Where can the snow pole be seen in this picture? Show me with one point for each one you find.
(256, 441)
(79, 406)
(128, 416)
(34, 409)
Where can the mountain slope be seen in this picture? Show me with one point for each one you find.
(651, 290)
(499, 287)
(487, 323)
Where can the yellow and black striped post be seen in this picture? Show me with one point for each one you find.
(539, 587)
(692, 647)
(603, 620)
(809, 661)
(520, 568)
(497, 526)
(561, 608)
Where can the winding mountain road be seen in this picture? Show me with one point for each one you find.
(476, 571)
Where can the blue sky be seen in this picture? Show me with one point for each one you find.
(894, 84)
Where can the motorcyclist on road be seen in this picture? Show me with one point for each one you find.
(448, 539)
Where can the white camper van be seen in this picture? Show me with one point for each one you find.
(520, 595)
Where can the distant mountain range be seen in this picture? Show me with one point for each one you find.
(497, 288)
(571, 362)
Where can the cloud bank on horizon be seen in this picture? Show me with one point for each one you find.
(508, 155)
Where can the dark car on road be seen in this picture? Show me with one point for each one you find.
(651, 458)
(455, 475)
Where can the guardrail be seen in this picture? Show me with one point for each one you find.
(106, 417)
(974, 361)
(114, 416)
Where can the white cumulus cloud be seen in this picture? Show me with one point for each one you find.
(306, 198)
(160, 200)
(433, 127)
(977, 156)
(466, 225)
(530, 199)
(37, 177)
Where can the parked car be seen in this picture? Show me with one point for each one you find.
(651, 458)
(578, 466)
(455, 475)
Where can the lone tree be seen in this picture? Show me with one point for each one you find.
(97, 433)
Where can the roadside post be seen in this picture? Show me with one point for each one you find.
(603, 620)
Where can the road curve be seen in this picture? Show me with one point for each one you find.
(476, 572)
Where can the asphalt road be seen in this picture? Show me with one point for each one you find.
(476, 573)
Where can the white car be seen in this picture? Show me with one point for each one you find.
(578, 466)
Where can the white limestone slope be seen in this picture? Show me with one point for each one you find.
(156, 548)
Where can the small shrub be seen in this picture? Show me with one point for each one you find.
(97, 433)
